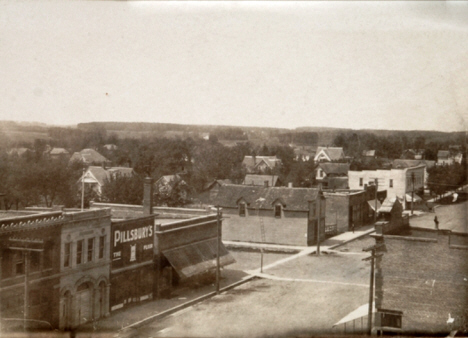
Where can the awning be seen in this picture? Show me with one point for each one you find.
(197, 258)
(361, 311)
(372, 204)
(416, 198)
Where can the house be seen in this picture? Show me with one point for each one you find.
(368, 153)
(345, 208)
(397, 182)
(60, 260)
(19, 151)
(287, 215)
(57, 153)
(304, 153)
(166, 183)
(326, 171)
(261, 164)
(210, 190)
(110, 147)
(444, 157)
(262, 180)
(95, 177)
(402, 164)
(89, 156)
(413, 154)
(329, 154)
(421, 276)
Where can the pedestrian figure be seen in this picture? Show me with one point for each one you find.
(352, 227)
(436, 221)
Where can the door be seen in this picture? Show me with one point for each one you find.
(84, 303)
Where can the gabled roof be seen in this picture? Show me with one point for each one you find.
(88, 156)
(388, 204)
(369, 153)
(254, 161)
(260, 180)
(101, 174)
(333, 153)
(59, 151)
(402, 164)
(335, 168)
(443, 154)
(264, 197)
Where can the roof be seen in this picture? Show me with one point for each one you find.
(372, 204)
(253, 161)
(403, 164)
(88, 156)
(333, 153)
(368, 153)
(388, 204)
(101, 174)
(293, 198)
(260, 180)
(335, 168)
(58, 151)
(443, 154)
(19, 151)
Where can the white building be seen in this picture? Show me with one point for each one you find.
(398, 182)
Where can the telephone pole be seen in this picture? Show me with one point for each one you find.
(372, 257)
(82, 189)
(319, 207)
(218, 239)
(375, 197)
(412, 193)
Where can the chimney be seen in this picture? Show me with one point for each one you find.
(290, 185)
(148, 196)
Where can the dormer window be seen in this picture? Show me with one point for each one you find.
(242, 209)
(278, 210)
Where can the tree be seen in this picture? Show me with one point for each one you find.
(123, 189)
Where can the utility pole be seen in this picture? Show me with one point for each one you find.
(26, 291)
(412, 193)
(375, 197)
(319, 207)
(82, 190)
(371, 287)
(218, 238)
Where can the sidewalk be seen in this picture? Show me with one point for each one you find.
(140, 311)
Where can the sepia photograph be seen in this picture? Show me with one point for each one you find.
(233, 169)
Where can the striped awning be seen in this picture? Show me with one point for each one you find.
(197, 258)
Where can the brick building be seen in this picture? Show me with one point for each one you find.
(289, 215)
(347, 207)
(421, 281)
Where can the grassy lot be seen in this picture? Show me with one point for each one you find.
(330, 287)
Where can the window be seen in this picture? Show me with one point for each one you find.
(361, 181)
(67, 256)
(79, 252)
(35, 261)
(390, 184)
(391, 320)
(47, 255)
(242, 209)
(19, 263)
(90, 249)
(312, 209)
(102, 242)
(321, 172)
(278, 211)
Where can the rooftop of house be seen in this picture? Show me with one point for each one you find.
(401, 164)
(260, 180)
(253, 161)
(88, 156)
(369, 153)
(294, 199)
(58, 151)
(102, 174)
(443, 154)
(333, 153)
(335, 168)
(18, 151)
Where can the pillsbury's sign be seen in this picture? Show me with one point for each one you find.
(132, 242)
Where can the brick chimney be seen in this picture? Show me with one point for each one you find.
(148, 196)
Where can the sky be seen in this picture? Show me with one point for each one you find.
(379, 65)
